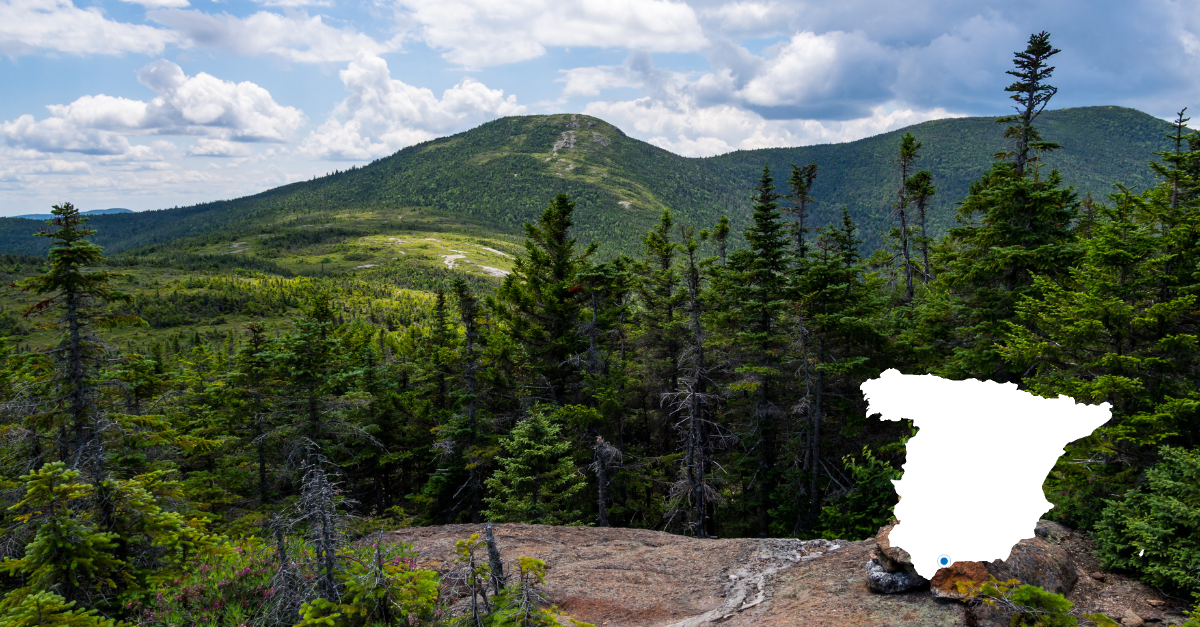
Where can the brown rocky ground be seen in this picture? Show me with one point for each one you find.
(640, 578)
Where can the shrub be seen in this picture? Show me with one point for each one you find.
(1154, 530)
(227, 591)
(867, 507)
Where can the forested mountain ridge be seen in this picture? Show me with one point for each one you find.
(501, 174)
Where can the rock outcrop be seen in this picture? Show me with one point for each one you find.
(890, 569)
(641, 578)
(1038, 563)
(883, 582)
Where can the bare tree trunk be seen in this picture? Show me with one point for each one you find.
(499, 580)
(263, 492)
(814, 443)
(921, 202)
(908, 268)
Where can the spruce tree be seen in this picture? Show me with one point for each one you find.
(801, 184)
(839, 336)
(1016, 223)
(909, 147)
(1032, 93)
(661, 298)
(536, 480)
(79, 294)
(539, 303)
(755, 292)
(692, 401)
(919, 189)
(1119, 329)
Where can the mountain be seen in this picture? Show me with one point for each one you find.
(504, 172)
(93, 212)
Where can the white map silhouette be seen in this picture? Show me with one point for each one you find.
(972, 484)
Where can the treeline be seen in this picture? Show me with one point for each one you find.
(698, 387)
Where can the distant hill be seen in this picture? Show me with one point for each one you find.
(93, 212)
(504, 172)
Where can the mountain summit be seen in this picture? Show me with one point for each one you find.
(503, 173)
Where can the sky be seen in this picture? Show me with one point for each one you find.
(146, 104)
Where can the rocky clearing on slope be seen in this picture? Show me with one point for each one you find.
(640, 578)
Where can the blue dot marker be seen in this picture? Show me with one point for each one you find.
(944, 561)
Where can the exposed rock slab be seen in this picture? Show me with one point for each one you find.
(640, 578)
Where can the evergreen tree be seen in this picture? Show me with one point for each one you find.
(660, 322)
(536, 480)
(251, 385)
(692, 401)
(80, 293)
(919, 190)
(1119, 329)
(801, 184)
(1015, 225)
(538, 301)
(908, 154)
(838, 336)
(755, 295)
(1032, 94)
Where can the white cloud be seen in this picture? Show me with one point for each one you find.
(687, 129)
(293, 4)
(1191, 43)
(294, 36)
(210, 147)
(160, 4)
(823, 72)
(186, 105)
(382, 114)
(480, 33)
(29, 26)
(590, 81)
(746, 17)
(206, 105)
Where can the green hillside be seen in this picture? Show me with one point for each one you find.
(502, 173)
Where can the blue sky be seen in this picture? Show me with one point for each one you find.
(147, 104)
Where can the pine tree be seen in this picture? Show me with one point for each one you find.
(80, 294)
(536, 480)
(755, 293)
(801, 184)
(538, 301)
(919, 189)
(839, 335)
(1016, 224)
(1032, 94)
(908, 154)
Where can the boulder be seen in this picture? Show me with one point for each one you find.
(1051, 531)
(1037, 562)
(892, 559)
(879, 580)
(945, 580)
